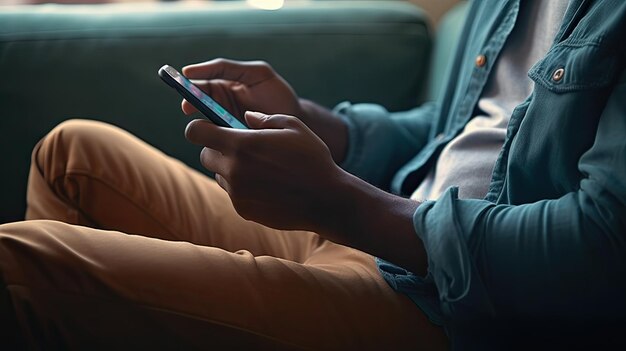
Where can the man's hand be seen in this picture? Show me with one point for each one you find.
(255, 86)
(281, 174)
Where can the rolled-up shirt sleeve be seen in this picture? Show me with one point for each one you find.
(380, 142)
(549, 260)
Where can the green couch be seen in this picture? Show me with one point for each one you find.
(100, 62)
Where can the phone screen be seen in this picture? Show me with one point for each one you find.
(203, 98)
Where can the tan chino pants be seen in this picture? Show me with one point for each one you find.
(172, 265)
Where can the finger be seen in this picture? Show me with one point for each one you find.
(187, 107)
(258, 120)
(205, 133)
(249, 72)
(213, 160)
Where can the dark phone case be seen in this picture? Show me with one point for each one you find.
(192, 99)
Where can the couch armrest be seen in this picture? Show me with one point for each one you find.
(100, 62)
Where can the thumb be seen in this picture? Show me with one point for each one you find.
(258, 120)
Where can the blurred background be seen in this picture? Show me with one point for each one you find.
(97, 59)
(434, 8)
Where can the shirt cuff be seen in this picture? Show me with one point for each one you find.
(452, 291)
(422, 291)
(445, 229)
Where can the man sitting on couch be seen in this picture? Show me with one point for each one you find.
(513, 232)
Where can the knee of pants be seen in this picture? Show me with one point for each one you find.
(76, 145)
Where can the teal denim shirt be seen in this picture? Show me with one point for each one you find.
(548, 242)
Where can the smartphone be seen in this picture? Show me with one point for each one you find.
(204, 103)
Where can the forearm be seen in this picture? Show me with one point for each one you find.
(331, 129)
(375, 222)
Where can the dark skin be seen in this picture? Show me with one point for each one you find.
(283, 172)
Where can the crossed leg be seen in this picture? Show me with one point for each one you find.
(173, 265)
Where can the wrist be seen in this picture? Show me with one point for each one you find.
(311, 111)
(329, 127)
(336, 211)
(374, 221)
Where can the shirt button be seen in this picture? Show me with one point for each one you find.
(439, 136)
(558, 74)
(481, 60)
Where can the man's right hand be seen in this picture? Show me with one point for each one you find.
(255, 86)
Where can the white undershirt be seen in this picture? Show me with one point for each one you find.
(468, 160)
